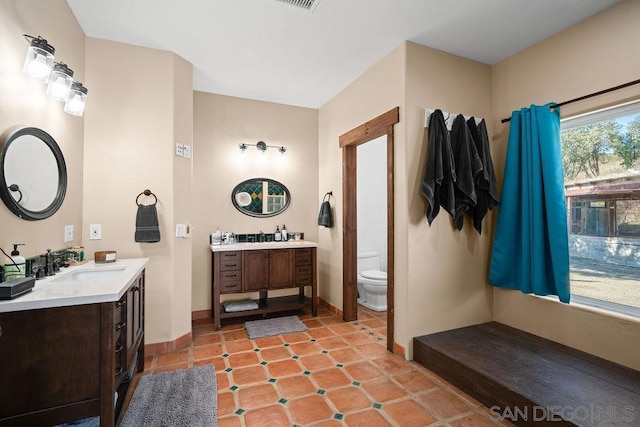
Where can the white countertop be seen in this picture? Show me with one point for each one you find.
(62, 290)
(264, 245)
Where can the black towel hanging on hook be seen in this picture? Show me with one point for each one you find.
(325, 217)
(147, 227)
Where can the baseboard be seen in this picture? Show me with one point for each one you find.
(168, 346)
(201, 314)
(332, 308)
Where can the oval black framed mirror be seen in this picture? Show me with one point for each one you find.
(33, 173)
(261, 197)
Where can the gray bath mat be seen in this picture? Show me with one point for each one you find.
(187, 397)
(275, 326)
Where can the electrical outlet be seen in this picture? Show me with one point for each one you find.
(179, 150)
(68, 233)
(95, 232)
(186, 152)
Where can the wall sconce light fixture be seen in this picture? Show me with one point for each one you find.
(262, 147)
(77, 99)
(39, 65)
(60, 82)
(39, 60)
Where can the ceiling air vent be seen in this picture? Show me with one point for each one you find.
(309, 5)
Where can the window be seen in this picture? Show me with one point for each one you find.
(601, 159)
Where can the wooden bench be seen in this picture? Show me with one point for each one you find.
(529, 380)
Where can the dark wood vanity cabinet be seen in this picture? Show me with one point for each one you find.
(66, 363)
(264, 270)
(267, 269)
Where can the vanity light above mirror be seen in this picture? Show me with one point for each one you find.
(262, 147)
(39, 65)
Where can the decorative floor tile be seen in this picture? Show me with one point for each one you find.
(414, 381)
(383, 389)
(348, 399)
(334, 374)
(257, 396)
(444, 404)
(249, 375)
(272, 416)
(409, 413)
(310, 409)
(330, 378)
(275, 353)
(295, 386)
(316, 362)
(367, 418)
(283, 368)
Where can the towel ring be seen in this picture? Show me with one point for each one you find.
(330, 193)
(147, 193)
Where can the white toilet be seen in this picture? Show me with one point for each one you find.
(372, 283)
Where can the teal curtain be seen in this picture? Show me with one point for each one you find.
(530, 247)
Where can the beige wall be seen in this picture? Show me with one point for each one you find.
(440, 274)
(377, 91)
(596, 54)
(447, 269)
(143, 107)
(24, 102)
(220, 124)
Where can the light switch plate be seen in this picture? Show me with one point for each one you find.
(68, 233)
(95, 231)
(186, 152)
(181, 230)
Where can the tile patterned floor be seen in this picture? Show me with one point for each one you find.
(336, 373)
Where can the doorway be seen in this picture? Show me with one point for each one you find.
(379, 126)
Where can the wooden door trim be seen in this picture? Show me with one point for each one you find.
(349, 141)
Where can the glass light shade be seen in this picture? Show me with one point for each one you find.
(39, 60)
(60, 82)
(77, 99)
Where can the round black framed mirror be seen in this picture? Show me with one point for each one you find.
(33, 173)
(261, 197)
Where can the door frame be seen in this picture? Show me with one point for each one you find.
(349, 141)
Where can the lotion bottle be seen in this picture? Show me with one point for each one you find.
(277, 236)
(285, 234)
(15, 267)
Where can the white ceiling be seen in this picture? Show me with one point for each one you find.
(272, 51)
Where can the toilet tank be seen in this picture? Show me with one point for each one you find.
(368, 261)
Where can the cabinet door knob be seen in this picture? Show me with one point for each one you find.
(119, 348)
(120, 325)
(136, 289)
(121, 303)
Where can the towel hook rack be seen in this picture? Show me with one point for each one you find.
(146, 192)
(329, 193)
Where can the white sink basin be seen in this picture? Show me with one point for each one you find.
(90, 274)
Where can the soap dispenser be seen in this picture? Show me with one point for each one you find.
(285, 234)
(15, 267)
(278, 235)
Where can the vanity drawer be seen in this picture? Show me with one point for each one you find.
(226, 265)
(304, 280)
(304, 270)
(303, 252)
(230, 275)
(303, 259)
(230, 260)
(231, 287)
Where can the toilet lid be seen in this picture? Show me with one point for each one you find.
(374, 274)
